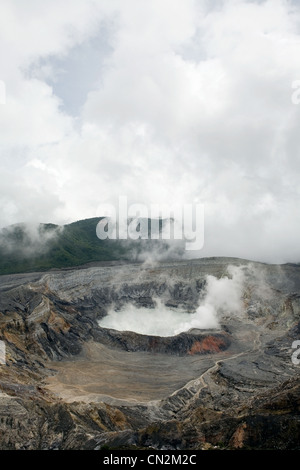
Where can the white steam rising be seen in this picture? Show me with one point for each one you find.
(221, 296)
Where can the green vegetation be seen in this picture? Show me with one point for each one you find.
(49, 246)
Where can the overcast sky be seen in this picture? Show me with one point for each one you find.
(164, 101)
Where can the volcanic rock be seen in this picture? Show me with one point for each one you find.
(68, 383)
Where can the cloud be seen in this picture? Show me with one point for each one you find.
(179, 101)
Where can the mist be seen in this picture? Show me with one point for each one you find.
(221, 297)
(28, 240)
(157, 251)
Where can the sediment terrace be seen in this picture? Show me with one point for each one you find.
(112, 376)
(70, 384)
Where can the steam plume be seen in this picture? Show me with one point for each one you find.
(221, 296)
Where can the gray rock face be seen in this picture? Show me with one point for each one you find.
(70, 384)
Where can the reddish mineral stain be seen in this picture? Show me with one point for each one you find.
(210, 344)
